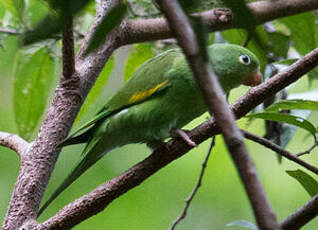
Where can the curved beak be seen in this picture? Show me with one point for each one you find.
(253, 79)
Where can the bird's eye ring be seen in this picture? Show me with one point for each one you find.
(245, 59)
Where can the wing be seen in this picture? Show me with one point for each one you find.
(151, 78)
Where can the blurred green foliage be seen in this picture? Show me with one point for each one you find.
(158, 201)
(33, 72)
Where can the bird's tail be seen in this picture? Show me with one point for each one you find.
(86, 162)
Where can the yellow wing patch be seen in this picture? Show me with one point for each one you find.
(144, 94)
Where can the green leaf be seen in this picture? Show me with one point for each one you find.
(16, 7)
(242, 223)
(67, 7)
(8, 5)
(303, 29)
(55, 21)
(48, 27)
(235, 36)
(138, 55)
(293, 104)
(97, 88)
(90, 8)
(286, 118)
(33, 77)
(19, 6)
(313, 74)
(113, 19)
(189, 5)
(307, 181)
(279, 43)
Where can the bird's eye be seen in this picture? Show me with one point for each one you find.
(245, 59)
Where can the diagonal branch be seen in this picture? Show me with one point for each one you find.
(14, 142)
(301, 216)
(142, 30)
(279, 150)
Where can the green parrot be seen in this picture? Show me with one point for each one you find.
(158, 100)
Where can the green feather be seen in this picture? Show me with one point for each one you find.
(161, 96)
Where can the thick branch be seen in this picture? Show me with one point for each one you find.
(302, 216)
(13, 142)
(279, 150)
(141, 30)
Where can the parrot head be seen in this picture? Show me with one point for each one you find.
(234, 65)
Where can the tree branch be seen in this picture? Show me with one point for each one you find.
(142, 30)
(188, 201)
(302, 216)
(14, 142)
(11, 31)
(308, 151)
(68, 51)
(279, 150)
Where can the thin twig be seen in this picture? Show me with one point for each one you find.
(309, 150)
(302, 215)
(195, 189)
(279, 150)
(14, 142)
(11, 31)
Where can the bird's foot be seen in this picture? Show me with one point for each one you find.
(179, 133)
(154, 144)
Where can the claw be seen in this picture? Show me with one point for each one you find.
(179, 133)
